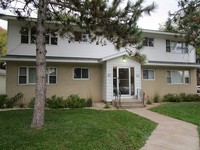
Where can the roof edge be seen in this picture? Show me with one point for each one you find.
(50, 59)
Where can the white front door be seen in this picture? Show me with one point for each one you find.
(123, 80)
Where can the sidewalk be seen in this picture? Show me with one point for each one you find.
(170, 134)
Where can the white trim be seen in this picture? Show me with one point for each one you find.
(49, 75)
(183, 78)
(27, 75)
(53, 60)
(114, 56)
(172, 65)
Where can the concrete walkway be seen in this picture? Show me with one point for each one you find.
(170, 134)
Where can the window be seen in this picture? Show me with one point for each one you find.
(51, 75)
(22, 75)
(81, 37)
(33, 34)
(27, 75)
(54, 38)
(149, 74)
(24, 35)
(178, 77)
(81, 73)
(148, 42)
(32, 75)
(176, 47)
(50, 38)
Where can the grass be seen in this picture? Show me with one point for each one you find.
(75, 129)
(188, 111)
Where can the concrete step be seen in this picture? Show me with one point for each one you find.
(127, 104)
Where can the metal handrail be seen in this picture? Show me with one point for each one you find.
(141, 95)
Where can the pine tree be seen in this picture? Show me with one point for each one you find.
(186, 21)
(100, 18)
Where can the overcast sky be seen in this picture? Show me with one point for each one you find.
(159, 16)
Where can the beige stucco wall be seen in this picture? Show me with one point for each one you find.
(2, 84)
(160, 87)
(65, 84)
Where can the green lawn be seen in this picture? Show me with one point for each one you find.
(75, 129)
(189, 112)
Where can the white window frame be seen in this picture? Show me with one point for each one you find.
(29, 37)
(149, 70)
(148, 41)
(183, 77)
(27, 75)
(48, 75)
(183, 49)
(84, 37)
(81, 73)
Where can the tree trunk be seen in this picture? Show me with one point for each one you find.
(40, 91)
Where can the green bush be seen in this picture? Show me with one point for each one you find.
(88, 102)
(170, 98)
(56, 102)
(192, 98)
(6, 102)
(181, 98)
(74, 101)
(149, 102)
(3, 99)
(156, 98)
(31, 103)
(10, 102)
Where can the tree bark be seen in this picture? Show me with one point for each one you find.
(40, 91)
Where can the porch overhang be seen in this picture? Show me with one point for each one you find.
(50, 59)
(119, 54)
(172, 64)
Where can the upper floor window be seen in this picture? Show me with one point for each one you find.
(176, 47)
(148, 74)
(81, 73)
(28, 35)
(81, 37)
(178, 77)
(24, 35)
(27, 75)
(33, 34)
(148, 42)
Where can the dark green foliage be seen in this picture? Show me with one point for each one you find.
(31, 103)
(75, 129)
(169, 98)
(149, 102)
(73, 101)
(186, 21)
(181, 98)
(192, 98)
(55, 102)
(3, 99)
(6, 102)
(88, 102)
(3, 41)
(11, 101)
(156, 98)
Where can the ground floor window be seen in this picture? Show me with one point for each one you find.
(178, 77)
(81, 73)
(27, 75)
(148, 74)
